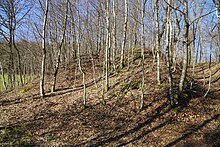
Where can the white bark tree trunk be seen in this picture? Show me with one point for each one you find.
(124, 33)
(157, 40)
(186, 47)
(42, 93)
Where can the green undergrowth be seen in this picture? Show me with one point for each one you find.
(25, 90)
(131, 85)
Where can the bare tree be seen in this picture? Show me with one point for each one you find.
(142, 53)
(124, 33)
(168, 51)
(107, 47)
(186, 46)
(157, 40)
(114, 35)
(78, 53)
(217, 3)
(43, 45)
(12, 13)
(60, 48)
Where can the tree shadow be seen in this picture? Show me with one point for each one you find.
(213, 137)
(193, 130)
(121, 132)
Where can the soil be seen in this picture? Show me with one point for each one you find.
(60, 119)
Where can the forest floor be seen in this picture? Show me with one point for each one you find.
(61, 120)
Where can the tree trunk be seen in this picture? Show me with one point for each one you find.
(42, 93)
(124, 33)
(60, 48)
(107, 47)
(19, 62)
(186, 47)
(157, 40)
(114, 36)
(78, 55)
(142, 54)
(3, 77)
(168, 56)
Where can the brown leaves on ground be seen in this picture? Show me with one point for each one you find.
(60, 119)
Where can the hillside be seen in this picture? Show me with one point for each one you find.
(60, 119)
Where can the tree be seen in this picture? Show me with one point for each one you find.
(142, 53)
(114, 35)
(107, 46)
(157, 40)
(217, 3)
(43, 45)
(168, 51)
(60, 47)
(78, 53)
(186, 44)
(124, 32)
(12, 13)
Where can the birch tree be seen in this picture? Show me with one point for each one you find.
(217, 3)
(142, 53)
(185, 45)
(124, 32)
(157, 40)
(114, 34)
(43, 45)
(78, 54)
(107, 46)
(168, 51)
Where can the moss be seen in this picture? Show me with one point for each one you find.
(25, 90)
(112, 95)
(160, 85)
(135, 84)
(176, 96)
(175, 109)
(125, 87)
(185, 95)
(51, 138)
(131, 85)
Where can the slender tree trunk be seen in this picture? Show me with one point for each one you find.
(219, 30)
(107, 46)
(73, 33)
(17, 50)
(157, 40)
(114, 36)
(124, 33)
(135, 32)
(11, 60)
(79, 58)
(3, 77)
(186, 47)
(168, 56)
(129, 46)
(60, 48)
(142, 54)
(43, 64)
(153, 37)
(210, 71)
(19, 62)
